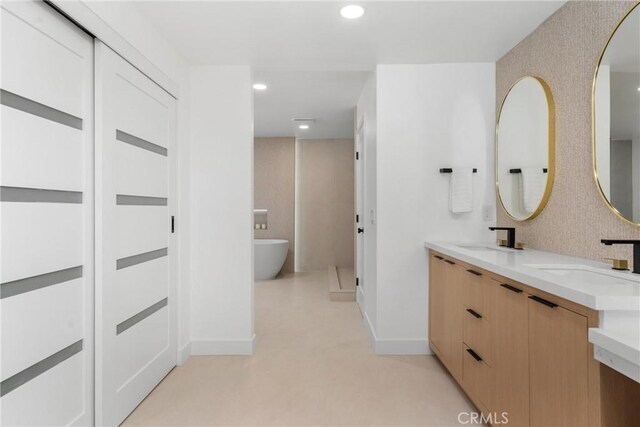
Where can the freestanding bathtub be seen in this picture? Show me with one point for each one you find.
(269, 257)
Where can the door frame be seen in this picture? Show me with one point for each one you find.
(359, 200)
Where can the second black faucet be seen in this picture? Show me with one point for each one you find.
(511, 235)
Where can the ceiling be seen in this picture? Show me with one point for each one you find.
(313, 59)
(327, 96)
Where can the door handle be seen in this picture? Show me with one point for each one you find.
(474, 355)
(474, 313)
(543, 301)
(511, 288)
(360, 230)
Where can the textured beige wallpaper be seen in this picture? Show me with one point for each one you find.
(564, 51)
(274, 189)
(325, 204)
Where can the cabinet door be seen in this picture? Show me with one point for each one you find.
(436, 302)
(445, 307)
(558, 365)
(453, 347)
(511, 367)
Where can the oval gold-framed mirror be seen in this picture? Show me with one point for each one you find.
(616, 120)
(525, 148)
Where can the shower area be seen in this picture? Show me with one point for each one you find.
(304, 193)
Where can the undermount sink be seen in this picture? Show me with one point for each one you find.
(582, 274)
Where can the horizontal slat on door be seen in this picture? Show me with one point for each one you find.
(148, 337)
(53, 398)
(140, 229)
(39, 68)
(140, 143)
(150, 180)
(39, 153)
(43, 237)
(140, 286)
(140, 114)
(34, 324)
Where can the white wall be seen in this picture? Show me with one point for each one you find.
(128, 32)
(428, 117)
(222, 206)
(366, 111)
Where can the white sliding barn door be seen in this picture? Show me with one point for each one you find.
(46, 218)
(135, 300)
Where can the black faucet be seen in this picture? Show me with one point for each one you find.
(636, 250)
(511, 235)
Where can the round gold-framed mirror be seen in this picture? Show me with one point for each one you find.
(525, 148)
(616, 119)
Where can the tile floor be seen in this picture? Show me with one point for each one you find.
(314, 366)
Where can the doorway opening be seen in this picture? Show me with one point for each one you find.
(305, 192)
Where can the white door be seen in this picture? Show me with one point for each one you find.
(46, 218)
(360, 290)
(135, 300)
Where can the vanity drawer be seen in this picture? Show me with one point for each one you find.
(476, 376)
(478, 334)
(473, 286)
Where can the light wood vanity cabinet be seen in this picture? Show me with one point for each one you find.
(437, 289)
(513, 349)
(477, 337)
(510, 334)
(445, 319)
(558, 365)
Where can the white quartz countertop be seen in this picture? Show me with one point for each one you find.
(533, 268)
(616, 296)
(618, 348)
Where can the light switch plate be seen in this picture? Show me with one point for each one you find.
(487, 213)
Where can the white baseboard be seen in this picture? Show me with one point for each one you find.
(370, 331)
(223, 347)
(396, 347)
(184, 353)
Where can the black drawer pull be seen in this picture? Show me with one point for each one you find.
(438, 256)
(474, 355)
(543, 301)
(475, 273)
(474, 313)
(511, 288)
(449, 262)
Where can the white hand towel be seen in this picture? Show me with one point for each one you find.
(461, 190)
(534, 182)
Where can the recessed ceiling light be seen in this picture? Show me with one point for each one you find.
(303, 126)
(259, 86)
(353, 11)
